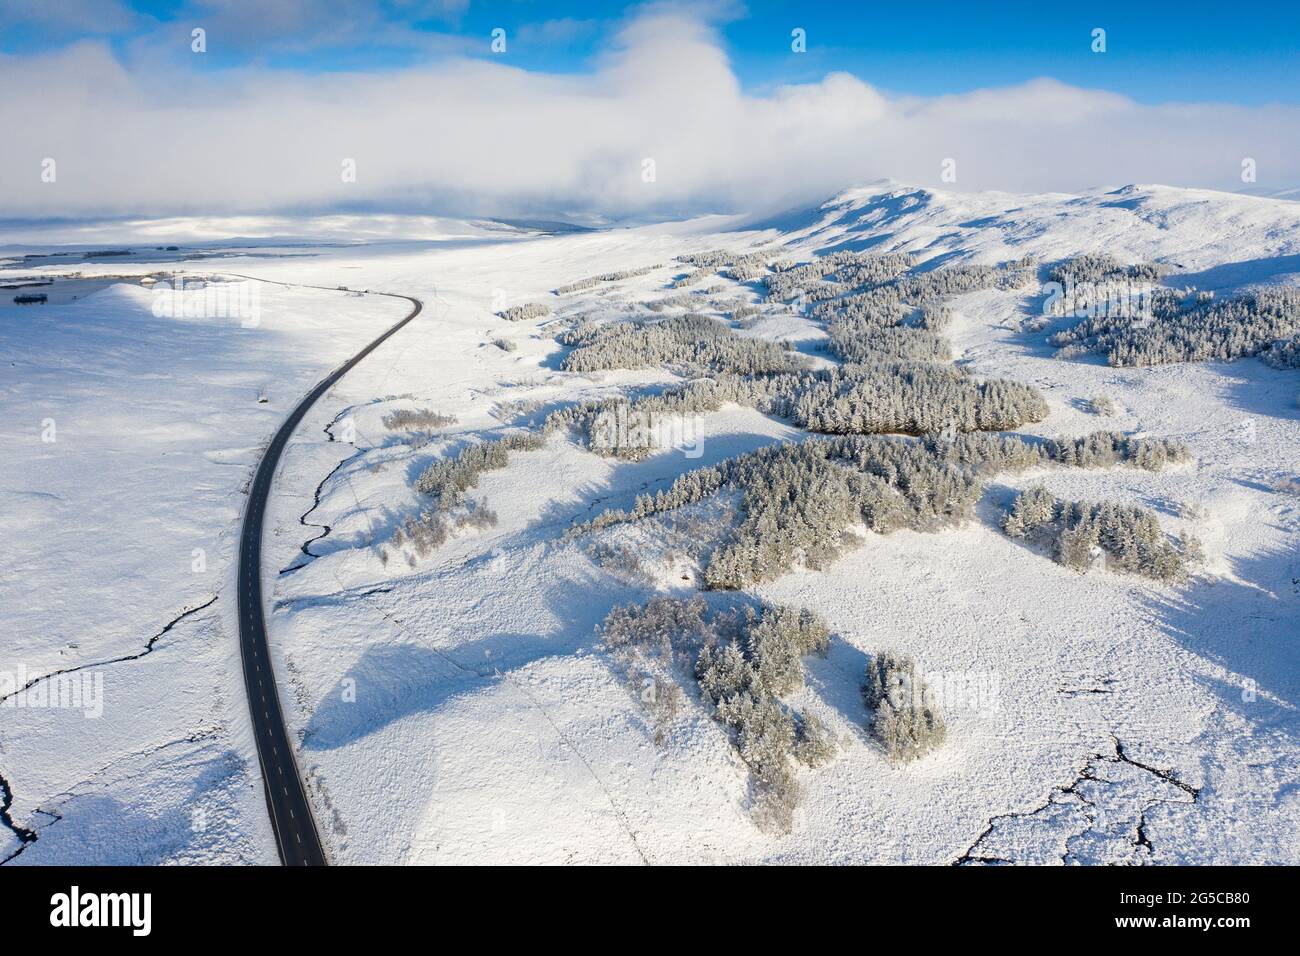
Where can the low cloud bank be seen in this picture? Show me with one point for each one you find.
(661, 126)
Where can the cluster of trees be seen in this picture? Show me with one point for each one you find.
(799, 502)
(1284, 353)
(844, 271)
(743, 661)
(1103, 449)
(929, 288)
(447, 480)
(862, 270)
(683, 300)
(1096, 332)
(416, 418)
(692, 277)
(923, 287)
(430, 528)
(1085, 534)
(880, 397)
(694, 341)
(523, 313)
(917, 345)
(905, 717)
(913, 398)
(884, 397)
(710, 259)
(1187, 326)
(796, 505)
(752, 266)
(902, 315)
(880, 308)
(741, 266)
(902, 397)
(635, 443)
(1228, 329)
(934, 317)
(592, 281)
(1095, 268)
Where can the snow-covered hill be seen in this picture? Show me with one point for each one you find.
(459, 706)
(1187, 229)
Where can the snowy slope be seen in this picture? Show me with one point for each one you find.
(129, 438)
(460, 709)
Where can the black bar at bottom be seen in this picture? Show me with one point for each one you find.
(345, 904)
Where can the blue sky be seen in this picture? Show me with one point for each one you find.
(1245, 53)
(965, 97)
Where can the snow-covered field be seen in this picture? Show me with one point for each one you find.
(459, 707)
(130, 438)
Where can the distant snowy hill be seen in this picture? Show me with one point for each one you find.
(1185, 228)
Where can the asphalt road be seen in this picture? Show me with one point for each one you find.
(286, 800)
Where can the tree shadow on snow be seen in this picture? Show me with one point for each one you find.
(1248, 627)
(1231, 275)
(100, 830)
(837, 679)
(1259, 390)
(391, 681)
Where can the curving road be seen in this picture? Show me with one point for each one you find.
(286, 800)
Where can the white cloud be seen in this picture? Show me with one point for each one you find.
(484, 137)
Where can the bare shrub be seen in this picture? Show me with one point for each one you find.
(416, 418)
(1101, 405)
(1289, 485)
(620, 560)
(479, 519)
(524, 313)
(424, 532)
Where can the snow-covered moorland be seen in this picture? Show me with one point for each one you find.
(694, 542)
